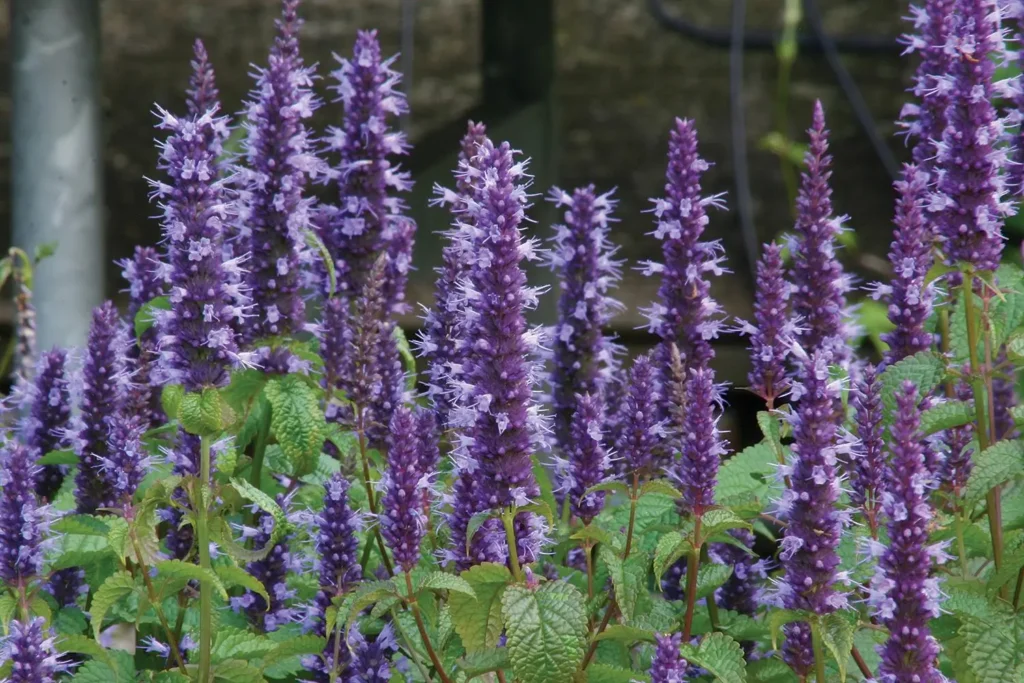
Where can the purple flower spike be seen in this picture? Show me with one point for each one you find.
(337, 546)
(970, 193)
(22, 521)
(582, 255)
(867, 476)
(356, 232)
(702, 448)
(668, 666)
(49, 410)
(402, 520)
(362, 384)
(925, 119)
(104, 389)
(686, 316)
(741, 592)
(272, 572)
(959, 463)
(641, 428)
(30, 651)
(809, 554)
(127, 462)
(819, 295)
(1004, 398)
(773, 331)
(904, 594)
(197, 342)
(910, 299)
(147, 280)
(146, 277)
(202, 94)
(279, 159)
(588, 459)
(372, 663)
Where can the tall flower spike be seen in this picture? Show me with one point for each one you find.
(505, 424)
(272, 572)
(335, 336)
(819, 295)
(867, 475)
(741, 591)
(970, 193)
(702, 448)
(362, 385)
(903, 592)
(372, 662)
(925, 119)
(583, 257)
(773, 331)
(279, 159)
(22, 520)
(127, 462)
(197, 342)
(588, 459)
(147, 280)
(30, 651)
(686, 316)
(402, 520)
(959, 452)
(668, 666)
(105, 387)
(441, 344)
(202, 92)
(809, 548)
(641, 428)
(1004, 399)
(46, 425)
(910, 299)
(355, 233)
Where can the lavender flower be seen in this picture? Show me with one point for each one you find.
(30, 651)
(49, 410)
(22, 520)
(355, 233)
(773, 331)
(279, 159)
(969, 196)
(686, 316)
(588, 459)
(197, 343)
(702, 449)
(741, 592)
(104, 389)
(867, 475)
(147, 280)
(809, 554)
(372, 663)
(184, 457)
(271, 571)
(958, 464)
(925, 119)
(819, 296)
(65, 585)
(903, 593)
(668, 665)
(582, 256)
(335, 336)
(402, 521)
(362, 385)
(336, 546)
(127, 462)
(642, 430)
(910, 299)
(1004, 398)
(202, 94)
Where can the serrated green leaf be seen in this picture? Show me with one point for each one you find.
(475, 522)
(170, 399)
(946, 415)
(81, 551)
(610, 486)
(237, 643)
(546, 629)
(720, 655)
(84, 525)
(366, 595)
(745, 474)
(769, 670)
(170, 677)
(8, 605)
(443, 581)
(478, 620)
(118, 668)
(719, 520)
(116, 587)
(483, 661)
(237, 671)
(591, 532)
(299, 645)
(231, 576)
(83, 645)
(993, 466)
(629, 578)
(265, 503)
(144, 319)
(837, 634)
(627, 635)
(710, 577)
(296, 421)
(70, 621)
(992, 653)
(924, 369)
(176, 571)
(202, 413)
(659, 486)
(670, 548)
(66, 457)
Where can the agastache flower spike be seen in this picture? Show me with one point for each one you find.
(582, 255)
(741, 592)
(588, 459)
(641, 428)
(147, 280)
(49, 410)
(668, 665)
(809, 548)
(867, 475)
(970, 194)
(105, 387)
(925, 119)
(278, 161)
(127, 462)
(1004, 399)
(30, 651)
(356, 232)
(272, 572)
(910, 299)
(773, 331)
(22, 520)
(904, 594)
(702, 448)
(202, 92)
(402, 520)
(362, 382)
(372, 662)
(819, 295)
(959, 453)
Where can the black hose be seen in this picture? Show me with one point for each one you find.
(738, 128)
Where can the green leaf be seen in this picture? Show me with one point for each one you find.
(176, 571)
(81, 551)
(659, 486)
(296, 421)
(720, 519)
(993, 466)
(237, 643)
(171, 398)
(769, 670)
(547, 631)
(117, 586)
(992, 653)
(720, 655)
(299, 645)
(83, 645)
(769, 425)
(779, 618)
(366, 595)
(483, 661)
(837, 634)
(475, 522)
(119, 667)
(605, 673)
(627, 635)
(629, 578)
(8, 605)
(924, 369)
(443, 581)
(746, 474)
(405, 353)
(478, 620)
(671, 547)
(70, 621)
(267, 504)
(710, 577)
(202, 413)
(540, 508)
(947, 415)
(592, 532)
(237, 671)
(66, 457)
(231, 575)
(610, 486)
(144, 318)
(84, 525)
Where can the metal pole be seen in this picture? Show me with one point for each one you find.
(57, 168)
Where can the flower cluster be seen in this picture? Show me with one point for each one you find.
(403, 520)
(23, 522)
(30, 651)
(773, 331)
(48, 413)
(867, 475)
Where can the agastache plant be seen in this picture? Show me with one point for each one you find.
(45, 428)
(30, 653)
(147, 279)
(868, 470)
(23, 521)
(924, 118)
(773, 331)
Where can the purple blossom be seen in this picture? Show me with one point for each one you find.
(184, 457)
(362, 382)
(809, 548)
(105, 387)
(46, 425)
(272, 572)
(668, 665)
(741, 592)
(147, 280)
(146, 277)
(925, 119)
(335, 336)
(773, 331)
(23, 522)
(355, 233)
(582, 256)
(197, 342)
(65, 585)
(1004, 398)
(127, 461)
(641, 427)
(867, 474)
(202, 94)
(903, 593)
(970, 193)
(279, 159)
(910, 299)
(30, 652)
(959, 452)
(819, 295)
(686, 316)
(402, 519)
(702, 448)
(372, 662)
(588, 459)
(336, 545)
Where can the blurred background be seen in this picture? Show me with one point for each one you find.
(587, 88)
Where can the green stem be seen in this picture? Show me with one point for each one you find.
(819, 653)
(961, 544)
(205, 589)
(633, 498)
(712, 605)
(370, 497)
(692, 568)
(588, 553)
(413, 655)
(508, 520)
(434, 659)
(172, 641)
